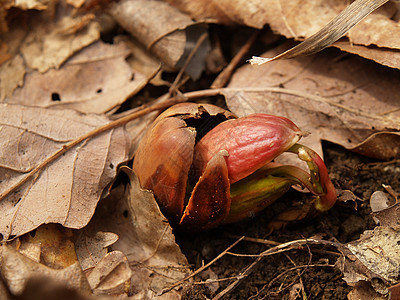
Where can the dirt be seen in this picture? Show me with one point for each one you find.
(276, 277)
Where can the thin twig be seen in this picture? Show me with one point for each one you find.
(240, 277)
(201, 269)
(178, 77)
(274, 243)
(274, 250)
(226, 74)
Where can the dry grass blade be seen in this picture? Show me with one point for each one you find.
(330, 33)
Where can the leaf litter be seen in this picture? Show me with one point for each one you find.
(124, 246)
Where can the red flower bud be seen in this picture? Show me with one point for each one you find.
(251, 142)
(226, 176)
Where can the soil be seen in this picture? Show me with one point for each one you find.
(275, 277)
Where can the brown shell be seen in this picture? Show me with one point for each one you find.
(164, 156)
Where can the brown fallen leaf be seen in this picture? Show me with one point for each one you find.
(17, 270)
(363, 290)
(379, 251)
(171, 37)
(146, 239)
(378, 30)
(289, 18)
(383, 56)
(96, 80)
(65, 191)
(51, 289)
(395, 292)
(55, 246)
(92, 247)
(12, 74)
(142, 60)
(336, 97)
(389, 217)
(112, 275)
(48, 44)
(5, 294)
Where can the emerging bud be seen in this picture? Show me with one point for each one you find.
(251, 142)
(206, 167)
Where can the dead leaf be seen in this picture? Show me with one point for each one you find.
(383, 56)
(379, 251)
(17, 270)
(293, 19)
(145, 238)
(48, 44)
(12, 75)
(32, 4)
(363, 290)
(142, 60)
(335, 97)
(4, 54)
(50, 245)
(65, 191)
(395, 292)
(378, 30)
(111, 275)
(92, 247)
(171, 38)
(50, 289)
(389, 217)
(378, 201)
(96, 80)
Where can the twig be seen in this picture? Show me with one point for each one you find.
(226, 74)
(274, 243)
(240, 277)
(201, 269)
(178, 77)
(274, 250)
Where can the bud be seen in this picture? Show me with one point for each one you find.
(206, 167)
(251, 142)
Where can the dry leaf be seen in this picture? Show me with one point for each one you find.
(65, 191)
(12, 75)
(378, 30)
(111, 275)
(95, 80)
(395, 292)
(290, 18)
(389, 217)
(171, 38)
(17, 270)
(146, 239)
(48, 44)
(92, 247)
(5, 295)
(142, 60)
(363, 290)
(383, 56)
(339, 98)
(379, 251)
(55, 245)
